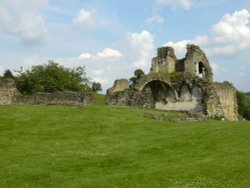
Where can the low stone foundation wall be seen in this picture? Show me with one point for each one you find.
(129, 97)
(58, 98)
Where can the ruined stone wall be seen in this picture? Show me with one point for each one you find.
(58, 98)
(8, 91)
(212, 102)
(119, 85)
(129, 97)
(192, 90)
(118, 98)
(10, 95)
(188, 105)
(194, 56)
(228, 100)
(165, 60)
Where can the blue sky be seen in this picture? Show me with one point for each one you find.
(113, 38)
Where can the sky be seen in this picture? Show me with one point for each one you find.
(113, 38)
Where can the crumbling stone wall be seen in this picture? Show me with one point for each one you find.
(165, 60)
(119, 85)
(10, 95)
(228, 100)
(8, 91)
(125, 96)
(196, 63)
(58, 98)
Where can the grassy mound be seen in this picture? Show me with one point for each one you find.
(110, 146)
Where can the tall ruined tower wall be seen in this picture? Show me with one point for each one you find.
(165, 60)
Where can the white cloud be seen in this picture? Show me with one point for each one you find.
(109, 52)
(85, 19)
(155, 19)
(24, 19)
(140, 48)
(227, 37)
(85, 56)
(32, 30)
(185, 4)
(101, 80)
(135, 51)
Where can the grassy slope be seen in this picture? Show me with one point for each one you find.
(104, 146)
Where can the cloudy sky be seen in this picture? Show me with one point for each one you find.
(112, 38)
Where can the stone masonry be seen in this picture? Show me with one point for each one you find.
(10, 95)
(8, 91)
(178, 85)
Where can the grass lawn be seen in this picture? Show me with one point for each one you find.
(110, 146)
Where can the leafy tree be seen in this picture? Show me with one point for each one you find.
(52, 77)
(243, 105)
(137, 75)
(96, 87)
(8, 74)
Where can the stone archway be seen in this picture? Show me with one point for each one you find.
(160, 91)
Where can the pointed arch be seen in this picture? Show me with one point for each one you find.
(185, 94)
(197, 93)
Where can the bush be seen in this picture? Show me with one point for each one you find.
(52, 77)
(243, 105)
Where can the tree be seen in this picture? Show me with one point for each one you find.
(8, 74)
(96, 87)
(52, 77)
(137, 75)
(243, 105)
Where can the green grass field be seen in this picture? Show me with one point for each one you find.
(110, 146)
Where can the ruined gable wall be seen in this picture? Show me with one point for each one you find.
(195, 55)
(228, 100)
(8, 91)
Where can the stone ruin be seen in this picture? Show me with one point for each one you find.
(8, 91)
(9, 95)
(178, 85)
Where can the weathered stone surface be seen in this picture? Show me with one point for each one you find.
(228, 100)
(10, 95)
(196, 63)
(165, 60)
(119, 85)
(58, 98)
(8, 91)
(178, 85)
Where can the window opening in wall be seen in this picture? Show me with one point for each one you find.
(201, 70)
